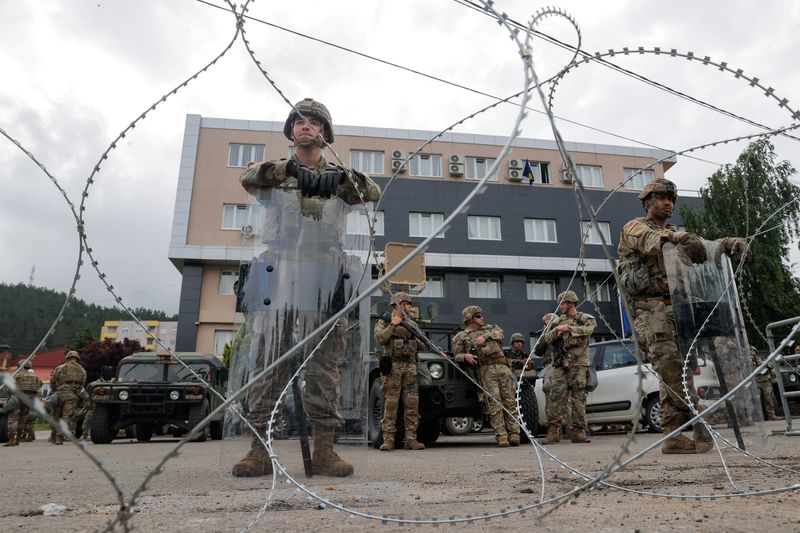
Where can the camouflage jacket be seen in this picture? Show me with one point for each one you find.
(398, 342)
(514, 355)
(27, 382)
(576, 341)
(464, 344)
(272, 174)
(69, 376)
(641, 239)
(766, 374)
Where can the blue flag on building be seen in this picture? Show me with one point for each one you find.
(528, 172)
(627, 330)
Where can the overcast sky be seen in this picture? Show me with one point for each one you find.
(75, 73)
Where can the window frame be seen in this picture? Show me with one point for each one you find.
(253, 151)
(362, 226)
(434, 224)
(470, 168)
(477, 218)
(579, 170)
(249, 216)
(232, 274)
(532, 225)
(601, 289)
(646, 174)
(531, 283)
(489, 281)
(438, 278)
(415, 163)
(588, 236)
(377, 169)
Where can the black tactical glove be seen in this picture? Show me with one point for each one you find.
(307, 179)
(329, 182)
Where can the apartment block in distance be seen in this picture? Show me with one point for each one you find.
(512, 254)
(121, 329)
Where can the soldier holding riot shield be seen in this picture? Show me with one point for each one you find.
(644, 280)
(301, 279)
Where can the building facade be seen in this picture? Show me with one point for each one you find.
(120, 329)
(512, 253)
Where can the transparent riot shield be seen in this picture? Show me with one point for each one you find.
(711, 333)
(306, 411)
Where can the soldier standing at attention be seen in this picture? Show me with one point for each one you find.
(306, 223)
(643, 278)
(27, 385)
(569, 334)
(401, 347)
(764, 382)
(68, 380)
(481, 344)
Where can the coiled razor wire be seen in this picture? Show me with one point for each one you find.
(531, 81)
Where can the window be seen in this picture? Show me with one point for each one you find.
(358, 223)
(239, 155)
(593, 237)
(541, 289)
(480, 287)
(434, 287)
(484, 228)
(590, 175)
(423, 224)
(639, 181)
(477, 167)
(221, 338)
(426, 165)
(236, 216)
(540, 230)
(540, 171)
(618, 356)
(226, 279)
(598, 291)
(365, 161)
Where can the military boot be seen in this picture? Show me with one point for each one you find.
(503, 442)
(325, 461)
(413, 444)
(513, 440)
(30, 436)
(552, 435)
(388, 443)
(679, 444)
(703, 441)
(256, 463)
(578, 436)
(59, 439)
(13, 440)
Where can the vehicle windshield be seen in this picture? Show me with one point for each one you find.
(141, 372)
(178, 372)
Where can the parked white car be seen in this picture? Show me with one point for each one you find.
(615, 400)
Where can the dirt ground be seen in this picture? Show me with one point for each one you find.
(457, 477)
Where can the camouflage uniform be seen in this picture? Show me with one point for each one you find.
(274, 334)
(567, 398)
(402, 348)
(27, 385)
(496, 376)
(68, 380)
(764, 383)
(27, 434)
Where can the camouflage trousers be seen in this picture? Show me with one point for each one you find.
(498, 380)
(566, 401)
(68, 405)
(403, 379)
(665, 356)
(767, 398)
(322, 378)
(16, 419)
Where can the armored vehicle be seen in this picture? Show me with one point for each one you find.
(151, 391)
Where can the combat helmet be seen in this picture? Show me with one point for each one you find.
(659, 186)
(72, 354)
(309, 107)
(517, 337)
(25, 364)
(568, 296)
(400, 297)
(469, 312)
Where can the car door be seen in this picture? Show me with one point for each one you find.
(615, 398)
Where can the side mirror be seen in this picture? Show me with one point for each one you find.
(223, 375)
(107, 373)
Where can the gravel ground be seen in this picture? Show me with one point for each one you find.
(457, 477)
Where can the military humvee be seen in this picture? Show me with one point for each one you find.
(151, 391)
(448, 394)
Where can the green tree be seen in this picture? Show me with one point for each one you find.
(738, 201)
(97, 354)
(81, 339)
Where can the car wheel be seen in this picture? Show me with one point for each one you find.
(428, 430)
(458, 425)
(215, 429)
(477, 425)
(375, 413)
(196, 415)
(651, 414)
(529, 411)
(100, 425)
